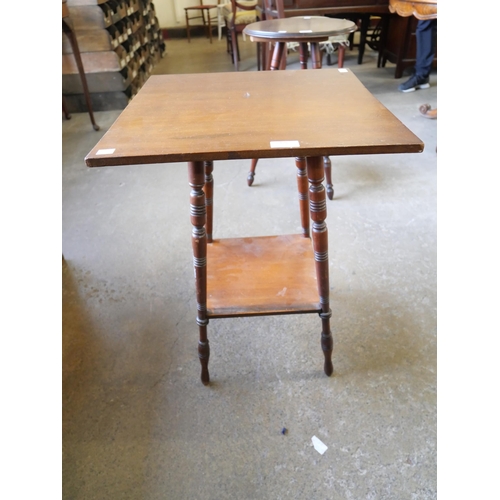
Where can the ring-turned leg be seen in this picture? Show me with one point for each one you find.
(315, 55)
(278, 52)
(303, 55)
(328, 174)
(209, 198)
(317, 204)
(199, 242)
(303, 186)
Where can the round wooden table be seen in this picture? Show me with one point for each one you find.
(303, 30)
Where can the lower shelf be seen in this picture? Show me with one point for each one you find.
(264, 275)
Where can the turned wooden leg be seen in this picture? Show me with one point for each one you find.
(315, 174)
(315, 55)
(328, 174)
(199, 242)
(187, 27)
(251, 174)
(278, 51)
(303, 186)
(303, 54)
(341, 55)
(209, 198)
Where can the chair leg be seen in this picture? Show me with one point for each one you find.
(209, 27)
(65, 111)
(81, 70)
(187, 27)
(234, 45)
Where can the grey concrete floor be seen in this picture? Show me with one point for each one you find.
(137, 422)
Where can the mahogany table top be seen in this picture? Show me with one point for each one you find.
(244, 115)
(421, 9)
(305, 27)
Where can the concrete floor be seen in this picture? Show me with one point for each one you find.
(137, 422)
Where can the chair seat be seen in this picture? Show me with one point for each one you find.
(201, 7)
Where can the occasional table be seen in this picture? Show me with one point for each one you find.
(306, 31)
(281, 274)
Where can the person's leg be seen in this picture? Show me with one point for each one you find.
(426, 48)
(426, 44)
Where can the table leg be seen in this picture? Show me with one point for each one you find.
(198, 211)
(328, 174)
(316, 61)
(303, 185)
(279, 49)
(303, 54)
(317, 204)
(209, 198)
(315, 55)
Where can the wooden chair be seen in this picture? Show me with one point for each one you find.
(200, 11)
(237, 15)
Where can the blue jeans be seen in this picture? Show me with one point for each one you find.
(426, 35)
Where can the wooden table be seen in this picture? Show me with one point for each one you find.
(304, 30)
(354, 9)
(190, 118)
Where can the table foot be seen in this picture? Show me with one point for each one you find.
(327, 346)
(204, 355)
(251, 174)
(327, 341)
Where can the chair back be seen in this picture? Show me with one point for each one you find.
(241, 12)
(273, 9)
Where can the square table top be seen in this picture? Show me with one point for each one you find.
(243, 115)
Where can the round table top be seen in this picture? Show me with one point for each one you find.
(298, 28)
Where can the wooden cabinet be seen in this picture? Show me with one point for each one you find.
(120, 42)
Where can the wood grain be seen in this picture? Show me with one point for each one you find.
(261, 275)
(177, 118)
